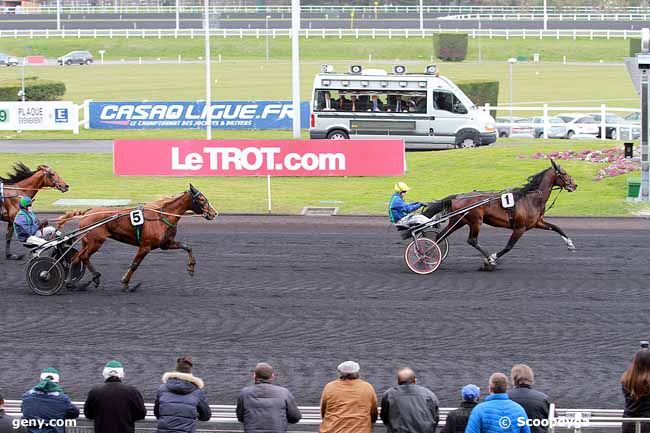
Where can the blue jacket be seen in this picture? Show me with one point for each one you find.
(497, 414)
(48, 406)
(398, 208)
(180, 402)
(25, 224)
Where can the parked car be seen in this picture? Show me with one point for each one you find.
(523, 128)
(76, 57)
(610, 121)
(7, 60)
(503, 127)
(556, 127)
(631, 128)
(579, 125)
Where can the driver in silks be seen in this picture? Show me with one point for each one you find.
(26, 223)
(400, 211)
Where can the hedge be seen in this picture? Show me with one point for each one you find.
(635, 46)
(481, 93)
(35, 90)
(450, 47)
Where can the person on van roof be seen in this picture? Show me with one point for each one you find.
(400, 212)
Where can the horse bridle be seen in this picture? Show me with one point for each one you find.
(50, 175)
(198, 207)
(563, 177)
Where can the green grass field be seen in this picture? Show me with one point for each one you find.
(430, 174)
(319, 49)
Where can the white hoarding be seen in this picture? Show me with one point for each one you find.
(39, 116)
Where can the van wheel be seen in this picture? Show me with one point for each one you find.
(68, 62)
(467, 139)
(503, 134)
(570, 135)
(337, 134)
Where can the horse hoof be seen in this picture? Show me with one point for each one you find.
(134, 288)
(487, 267)
(96, 278)
(15, 256)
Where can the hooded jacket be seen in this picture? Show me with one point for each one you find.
(497, 414)
(47, 401)
(115, 407)
(180, 402)
(25, 224)
(409, 408)
(267, 408)
(457, 418)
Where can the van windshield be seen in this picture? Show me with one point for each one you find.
(447, 101)
(366, 100)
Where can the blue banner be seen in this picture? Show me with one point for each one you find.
(193, 115)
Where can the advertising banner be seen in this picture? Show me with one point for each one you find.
(193, 115)
(38, 116)
(258, 157)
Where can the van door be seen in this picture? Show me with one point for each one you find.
(449, 115)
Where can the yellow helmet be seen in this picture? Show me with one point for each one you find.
(401, 187)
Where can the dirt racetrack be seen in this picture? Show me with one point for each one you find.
(305, 294)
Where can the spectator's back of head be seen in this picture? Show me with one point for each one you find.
(498, 383)
(184, 364)
(348, 370)
(521, 374)
(263, 371)
(405, 376)
(636, 379)
(470, 392)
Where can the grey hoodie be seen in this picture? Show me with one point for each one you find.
(180, 402)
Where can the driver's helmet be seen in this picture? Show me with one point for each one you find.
(25, 202)
(401, 187)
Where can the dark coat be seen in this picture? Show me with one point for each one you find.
(180, 402)
(639, 408)
(115, 407)
(48, 406)
(457, 419)
(409, 409)
(535, 404)
(7, 426)
(267, 408)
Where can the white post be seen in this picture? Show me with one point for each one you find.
(267, 37)
(208, 72)
(22, 85)
(421, 15)
(479, 42)
(268, 190)
(546, 123)
(545, 15)
(295, 64)
(603, 121)
(511, 61)
(87, 113)
(178, 15)
(58, 14)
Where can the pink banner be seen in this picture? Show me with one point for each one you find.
(258, 157)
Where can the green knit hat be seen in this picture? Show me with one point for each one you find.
(50, 373)
(113, 369)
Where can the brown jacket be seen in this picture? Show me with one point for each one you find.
(348, 406)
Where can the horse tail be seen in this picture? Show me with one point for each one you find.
(69, 215)
(437, 206)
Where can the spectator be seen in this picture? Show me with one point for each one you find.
(47, 401)
(636, 390)
(327, 102)
(457, 418)
(355, 105)
(535, 403)
(409, 408)
(376, 104)
(342, 104)
(497, 414)
(349, 404)
(181, 400)
(264, 407)
(398, 105)
(114, 406)
(6, 421)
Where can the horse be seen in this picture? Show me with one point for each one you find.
(24, 182)
(158, 230)
(527, 213)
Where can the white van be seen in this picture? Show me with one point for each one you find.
(427, 110)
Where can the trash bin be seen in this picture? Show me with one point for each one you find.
(633, 187)
(629, 150)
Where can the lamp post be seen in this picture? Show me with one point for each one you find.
(208, 72)
(295, 65)
(511, 61)
(267, 37)
(421, 15)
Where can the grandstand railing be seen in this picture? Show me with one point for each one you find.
(224, 415)
(319, 33)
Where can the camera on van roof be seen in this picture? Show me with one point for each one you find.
(356, 69)
(399, 69)
(431, 70)
(326, 69)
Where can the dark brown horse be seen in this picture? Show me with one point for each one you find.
(158, 231)
(527, 212)
(24, 182)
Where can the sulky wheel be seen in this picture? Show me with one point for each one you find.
(78, 270)
(423, 256)
(443, 244)
(45, 276)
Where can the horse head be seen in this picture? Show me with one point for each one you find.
(562, 178)
(201, 205)
(52, 179)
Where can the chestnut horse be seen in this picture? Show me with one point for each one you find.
(527, 212)
(24, 182)
(157, 231)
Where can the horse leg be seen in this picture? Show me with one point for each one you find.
(89, 248)
(175, 245)
(10, 234)
(139, 256)
(472, 239)
(548, 226)
(514, 237)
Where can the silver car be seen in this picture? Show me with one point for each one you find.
(556, 127)
(7, 60)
